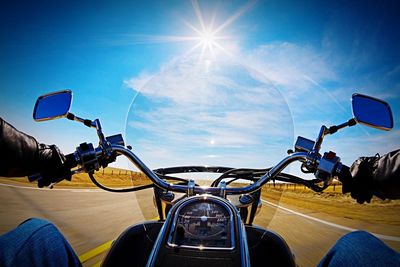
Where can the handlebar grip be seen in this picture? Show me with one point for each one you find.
(345, 178)
(70, 161)
(344, 173)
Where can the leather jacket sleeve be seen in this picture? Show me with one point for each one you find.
(369, 176)
(19, 152)
(386, 176)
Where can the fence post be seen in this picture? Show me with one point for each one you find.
(334, 185)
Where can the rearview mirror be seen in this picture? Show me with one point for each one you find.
(372, 112)
(52, 106)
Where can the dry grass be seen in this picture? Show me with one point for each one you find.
(110, 177)
(332, 202)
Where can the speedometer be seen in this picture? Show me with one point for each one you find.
(202, 224)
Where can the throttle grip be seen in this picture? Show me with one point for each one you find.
(345, 178)
(69, 163)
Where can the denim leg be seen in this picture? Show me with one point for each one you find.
(36, 242)
(360, 248)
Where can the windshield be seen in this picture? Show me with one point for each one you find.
(208, 113)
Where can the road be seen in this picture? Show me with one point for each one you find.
(89, 218)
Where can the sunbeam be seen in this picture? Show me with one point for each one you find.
(235, 16)
(197, 10)
(206, 36)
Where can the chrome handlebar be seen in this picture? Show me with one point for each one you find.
(298, 156)
(90, 159)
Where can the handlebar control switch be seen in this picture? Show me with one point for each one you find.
(327, 166)
(88, 158)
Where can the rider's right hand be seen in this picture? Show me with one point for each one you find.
(358, 179)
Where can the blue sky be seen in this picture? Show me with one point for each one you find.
(309, 57)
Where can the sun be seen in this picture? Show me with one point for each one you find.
(207, 38)
(206, 35)
(208, 41)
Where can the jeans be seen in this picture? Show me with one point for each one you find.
(36, 242)
(360, 248)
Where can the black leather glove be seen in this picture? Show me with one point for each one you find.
(358, 180)
(52, 166)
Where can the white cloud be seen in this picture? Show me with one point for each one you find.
(136, 83)
(290, 65)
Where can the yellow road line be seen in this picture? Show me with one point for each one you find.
(100, 249)
(94, 252)
(98, 264)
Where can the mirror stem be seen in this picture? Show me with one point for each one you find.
(331, 130)
(91, 124)
(322, 132)
(88, 123)
(335, 128)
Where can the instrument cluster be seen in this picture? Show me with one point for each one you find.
(203, 224)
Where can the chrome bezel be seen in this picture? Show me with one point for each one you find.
(210, 198)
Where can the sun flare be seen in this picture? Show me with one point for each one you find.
(208, 35)
(207, 38)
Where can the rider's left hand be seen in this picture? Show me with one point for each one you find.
(53, 169)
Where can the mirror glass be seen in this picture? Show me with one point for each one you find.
(52, 106)
(372, 112)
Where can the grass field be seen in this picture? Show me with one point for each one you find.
(111, 177)
(377, 215)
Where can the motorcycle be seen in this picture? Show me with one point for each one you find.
(207, 225)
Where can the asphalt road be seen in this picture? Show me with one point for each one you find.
(89, 218)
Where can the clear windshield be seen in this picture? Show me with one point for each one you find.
(213, 113)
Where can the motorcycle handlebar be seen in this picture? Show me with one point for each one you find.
(70, 161)
(298, 156)
(75, 159)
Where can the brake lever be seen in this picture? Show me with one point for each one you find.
(37, 177)
(34, 177)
